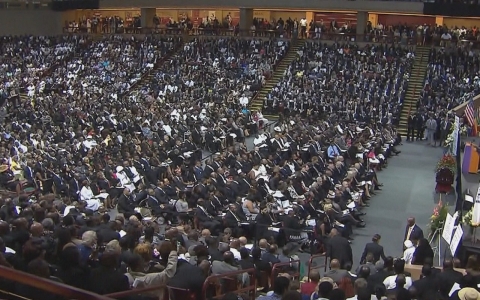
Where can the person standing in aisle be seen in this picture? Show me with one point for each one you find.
(303, 28)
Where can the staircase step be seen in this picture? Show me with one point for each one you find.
(257, 102)
(415, 86)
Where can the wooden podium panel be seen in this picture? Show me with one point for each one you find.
(471, 159)
(416, 271)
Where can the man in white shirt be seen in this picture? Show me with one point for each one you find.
(391, 282)
(243, 101)
(234, 246)
(303, 28)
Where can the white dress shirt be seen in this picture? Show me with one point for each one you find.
(390, 284)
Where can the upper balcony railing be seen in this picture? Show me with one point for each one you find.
(386, 38)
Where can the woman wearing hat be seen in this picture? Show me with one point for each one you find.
(468, 294)
(8, 181)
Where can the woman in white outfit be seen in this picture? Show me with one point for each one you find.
(408, 253)
(86, 194)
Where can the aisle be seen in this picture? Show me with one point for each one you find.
(409, 183)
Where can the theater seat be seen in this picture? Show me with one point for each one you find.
(179, 294)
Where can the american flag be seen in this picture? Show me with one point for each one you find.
(470, 113)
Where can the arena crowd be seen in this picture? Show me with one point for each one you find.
(128, 163)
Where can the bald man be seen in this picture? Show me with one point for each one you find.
(336, 272)
(412, 231)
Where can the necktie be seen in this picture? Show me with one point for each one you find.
(410, 229)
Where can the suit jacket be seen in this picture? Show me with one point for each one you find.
(427, 288)
(74, 187)
(105, 281)
(446, 279)
(201, 215)
(29, 174)
(339, 248)
(270, 258)
(416, 234)
(189, 277)
(375, 249)
(336, 275)
(220, 267)
(161, 195)
(230, 219)
(125, 204)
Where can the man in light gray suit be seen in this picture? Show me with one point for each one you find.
(369, 263)
(335, 272)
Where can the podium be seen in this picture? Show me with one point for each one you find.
(471, 159)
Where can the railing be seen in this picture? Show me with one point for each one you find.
(50, 286)
(312, 267)
(219, 285)
(279, 267)
(386, 37)
(140, 291)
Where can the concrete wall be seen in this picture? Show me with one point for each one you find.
(319, 5)
(35, 22)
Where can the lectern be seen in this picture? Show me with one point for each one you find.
(471, 159)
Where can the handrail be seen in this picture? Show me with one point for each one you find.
(279, 265)
(212, 278)
(136, 291)
(310, 262)
(50, 286)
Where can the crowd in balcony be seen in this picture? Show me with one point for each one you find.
(452, 78)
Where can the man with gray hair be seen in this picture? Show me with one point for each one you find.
(88, 245)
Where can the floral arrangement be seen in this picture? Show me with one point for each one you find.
(463, 130)
(468, 219)
(448, 161)
(449, 140)
(437, 219)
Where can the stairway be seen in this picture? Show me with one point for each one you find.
(149, 76)
(257, 102)
(415, 86)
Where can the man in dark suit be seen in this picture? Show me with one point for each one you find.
(339, 248)
(74, 188)
(233, 220)
(411, 127)
(188, 277)
(374, 248)
(206, 220)
(413, 232)
(447, 278)
(29, 174)
(107, 279)
(125, 203)
(427, 286)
